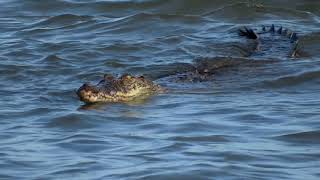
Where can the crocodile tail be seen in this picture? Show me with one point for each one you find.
(247, 32)
(294, 40)
(295, 50)
(279, 31)
(293, 37)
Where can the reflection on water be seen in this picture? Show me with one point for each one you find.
(257, 120)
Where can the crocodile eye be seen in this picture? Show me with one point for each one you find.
(126, 76)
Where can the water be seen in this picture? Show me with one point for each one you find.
(255, 122)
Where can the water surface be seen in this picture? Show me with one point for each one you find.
(256, 122)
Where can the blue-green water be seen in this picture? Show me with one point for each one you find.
(255, 122)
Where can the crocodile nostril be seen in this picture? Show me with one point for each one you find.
(86, 85)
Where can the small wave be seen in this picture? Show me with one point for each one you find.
(122, 6)
(63, 19)
(83, 143)
(59, 21)
(62, 24)
(72, 121)
(293, 80)
(212, 138)
(303, 137)
(52, 58)
(142, 19)
(235, 11)
(113, 8)
(248, 11)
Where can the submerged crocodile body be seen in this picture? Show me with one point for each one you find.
(128, 87)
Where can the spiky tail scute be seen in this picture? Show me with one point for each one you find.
(250, 34)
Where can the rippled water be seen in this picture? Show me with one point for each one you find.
(255, 122)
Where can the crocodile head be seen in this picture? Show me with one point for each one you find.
(112, 89)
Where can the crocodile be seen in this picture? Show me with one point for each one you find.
(271, 41)
(113, 89)
(129, 87)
